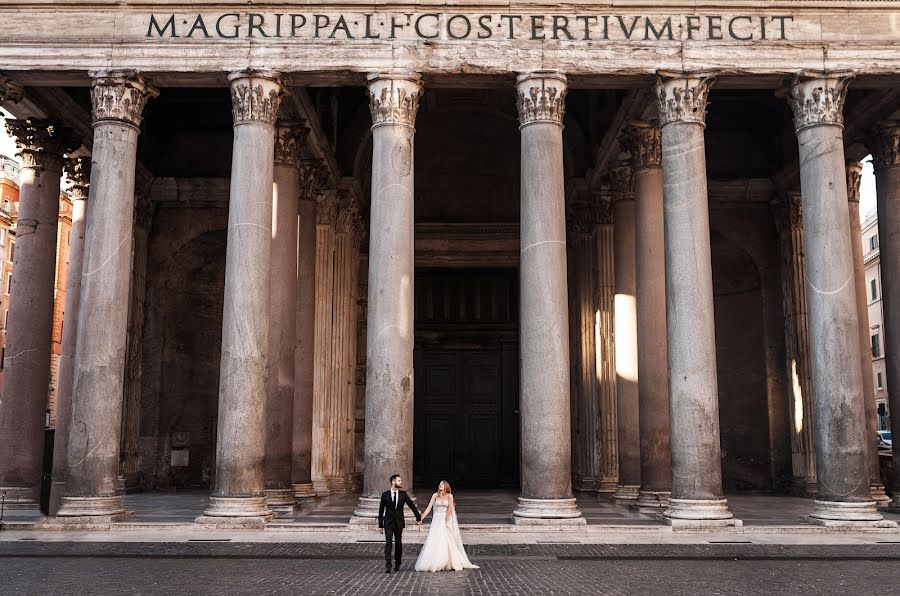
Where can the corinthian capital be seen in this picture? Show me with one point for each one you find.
(394, 99)
(313, 178)
(289, 140)
(10, 91)
(620, 182)
(541, 97)
(78, 171)
(854, 172)
(818, 98)
(41, 143)
(643, 141)
(119, 96)
(682, 96)
(255, 96)
(884, 143)
(327, 209)
(600, 207)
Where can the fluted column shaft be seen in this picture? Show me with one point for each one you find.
(30, 314)
(885, 147)
(323, 400)
(838, 408)
(393, 102)
(239, 490)
(693, 390)
(876, 488)
(643, 141)
(78, 171)
(349, 228)
(601, 325)
(282, 317)
(546, 469)
(626, 344)
(312, 177)
(97, 399)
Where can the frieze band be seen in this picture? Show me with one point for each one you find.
(431, 26)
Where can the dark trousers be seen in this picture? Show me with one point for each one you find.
(395, 535)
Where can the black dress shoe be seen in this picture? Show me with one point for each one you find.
(396, 568)
(387, 569)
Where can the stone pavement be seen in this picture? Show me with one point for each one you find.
(206, 568)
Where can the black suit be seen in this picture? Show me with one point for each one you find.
(390, 517)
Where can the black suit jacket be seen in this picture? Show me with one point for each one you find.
(389, 516)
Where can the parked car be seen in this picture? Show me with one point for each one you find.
(884, 439)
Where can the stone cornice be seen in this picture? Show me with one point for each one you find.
(290, 138)
(255, 96)
(854, 173)
(818, 98)
(884, 143)
(643, 140)
(683, 96)
(541, 97)
(394, 99)
(621, 183)
(78, 171)
(41, 143)
(10, 91)
(119, 96)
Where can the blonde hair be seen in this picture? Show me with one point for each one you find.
(446, 486)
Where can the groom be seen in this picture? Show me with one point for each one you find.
(390, 520)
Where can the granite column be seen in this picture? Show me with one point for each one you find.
(78, 171)
(393, 103)
(885, 146)
(289, 138)
(854, 171)
(696, 498)
(239, 492)
(643, 142)
(26, 369)
(118, 100)
(546, 457)
(844, 497)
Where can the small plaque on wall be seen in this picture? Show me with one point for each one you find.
(180, 458)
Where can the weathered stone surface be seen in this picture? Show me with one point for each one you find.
(30, 315)
(544, 373)
(839, 412)
(693, 394)
(389, 345)
(240, 451)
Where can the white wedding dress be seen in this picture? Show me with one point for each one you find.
(443, 549)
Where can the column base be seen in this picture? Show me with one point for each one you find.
(698, 513)
(587, 485)
(366, 511)
(304, 491)
(626, 494)
(20, 498)
(77, 510)
(322, 486)
(841, 514)
(608, 487)
(547, 511)
(801, 487)
(281, 499)
(651, 501)
(882, 501)
(338, 485)
(894, 505)
(236, 512)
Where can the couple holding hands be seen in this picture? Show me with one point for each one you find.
(443, 549)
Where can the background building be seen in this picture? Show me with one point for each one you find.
(871, 255)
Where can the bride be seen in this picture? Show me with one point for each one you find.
(443, 549)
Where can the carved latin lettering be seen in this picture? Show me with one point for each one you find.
(161, 31)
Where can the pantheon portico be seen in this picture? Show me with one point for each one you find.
(554, 253)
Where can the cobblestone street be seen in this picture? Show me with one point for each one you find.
(205, 568)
